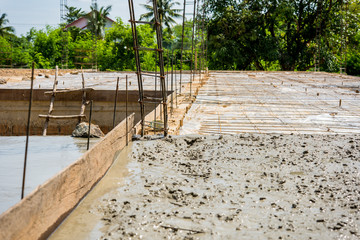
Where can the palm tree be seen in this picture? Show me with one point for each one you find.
(73, 14)
(5, 31)
(166, 12)
(97, 20)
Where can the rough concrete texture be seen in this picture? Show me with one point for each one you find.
(249, 186)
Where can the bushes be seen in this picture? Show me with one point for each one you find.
(353, 64)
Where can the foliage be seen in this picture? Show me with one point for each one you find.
(166, 12)
(5, 31)
(121, 37)
(259, 33)
(241, 35)
(73, 14)
(97, 20)
(353, 57)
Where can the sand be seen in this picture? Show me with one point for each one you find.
(248, 186)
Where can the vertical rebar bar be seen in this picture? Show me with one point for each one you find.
(28, 130)
(126, 111)
(197, 54)
(89, 131)
(138, 65)
(182, 44)
(115, 100)
(172, 82)
(202, 36)
(161, 64)
(176, 89)
(192, 50)
(155, 104)
(167, 70)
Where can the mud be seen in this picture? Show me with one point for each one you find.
(248, 186)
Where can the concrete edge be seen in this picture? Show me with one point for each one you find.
(39, 213)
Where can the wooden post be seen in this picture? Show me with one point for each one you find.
(51, 108)
(83, 101)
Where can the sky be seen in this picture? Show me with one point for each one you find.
(25, 14)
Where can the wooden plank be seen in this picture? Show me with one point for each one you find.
(79, 63)
(70, 90)
(61, 117)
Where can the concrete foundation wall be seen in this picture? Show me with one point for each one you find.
(38, 214)
(14, 104)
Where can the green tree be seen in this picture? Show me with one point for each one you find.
(73, 14)
(256, 34)
(166, 12)
(97, 20)
(120, 35)
(5, 31)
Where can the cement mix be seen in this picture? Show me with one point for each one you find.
(249, 186)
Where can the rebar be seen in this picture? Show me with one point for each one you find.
(126, 111)
(155, 105)
(138, 66)
(172, 83)
(28, 130)
(89, 131)
(182, 44)
(161, 64)
(115, 100)
(158, 51)
(192, 50)
(176, 89)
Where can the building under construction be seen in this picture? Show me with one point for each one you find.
(192, 154)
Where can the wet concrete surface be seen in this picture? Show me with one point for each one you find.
(46, 157)
(299, 180)
(85, 221)
(275, 102)
(249, 186)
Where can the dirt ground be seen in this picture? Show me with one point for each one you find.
(248, 186)
(17, 75)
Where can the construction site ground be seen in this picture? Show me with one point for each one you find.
(269, 156)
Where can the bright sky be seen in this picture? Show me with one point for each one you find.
(25, 14)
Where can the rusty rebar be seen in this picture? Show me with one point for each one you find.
(28, 130)
(88, 140)
(172, 82)
(126, 110)
(115, 100)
